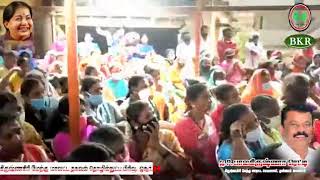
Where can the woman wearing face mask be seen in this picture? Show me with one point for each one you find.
(197, 133)
(138, 90)
(170, 57)
(241, 135)
(152, 144)
(267, 111)
(17, 20)
(50, 91)
(35, 104)
(105, 112)
(259, 84)
(116, 83)
(233, 67)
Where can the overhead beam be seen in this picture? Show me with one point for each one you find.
(253, 8)
(175, 9)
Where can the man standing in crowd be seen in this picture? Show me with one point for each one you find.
(206, 43)
(186, 52)
(87, 46)
(226, 43)
(255, 52)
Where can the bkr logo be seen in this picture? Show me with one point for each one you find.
(299, 20)
(300, 17)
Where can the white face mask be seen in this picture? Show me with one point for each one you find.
(116, 76)
(220, 82)
(274, 122)
(253, 136)
(144, 94)
(278, 74)
(266, 86)
(171, 56)
(22, 116)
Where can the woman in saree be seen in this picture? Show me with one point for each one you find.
(259, 84)
(232, 67)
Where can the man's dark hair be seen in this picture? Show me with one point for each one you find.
(221, 92)
(27, 85)
(297, 86)
(6, 118)
(114, 136)
(88, 82)
(6, 97)
(300, 108)
(259, 103)
(190, 82)
(89, 70)
(204, 27)
(185, 33)
(224, 31)
(89, 152)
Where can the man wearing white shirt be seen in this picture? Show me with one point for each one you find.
(106, 34)
(297, 132)
(206, 43)
(255, 52)
(186, 52)
(86, 47)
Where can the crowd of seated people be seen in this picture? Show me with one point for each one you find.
(139, 106)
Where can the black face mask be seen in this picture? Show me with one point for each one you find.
(143, 127)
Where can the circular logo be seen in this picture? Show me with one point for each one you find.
(300, 17)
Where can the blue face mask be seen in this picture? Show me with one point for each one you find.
(51, 102)
(1, 61)
(39, 104)
(95, 100)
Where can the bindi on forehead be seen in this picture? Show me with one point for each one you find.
(22, 11)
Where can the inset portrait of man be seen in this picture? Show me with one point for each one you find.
(297, 133)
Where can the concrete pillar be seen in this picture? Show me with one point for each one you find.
(42, 31)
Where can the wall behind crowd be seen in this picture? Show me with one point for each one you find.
(160, 38)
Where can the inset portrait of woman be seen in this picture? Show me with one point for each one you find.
(17, 21)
